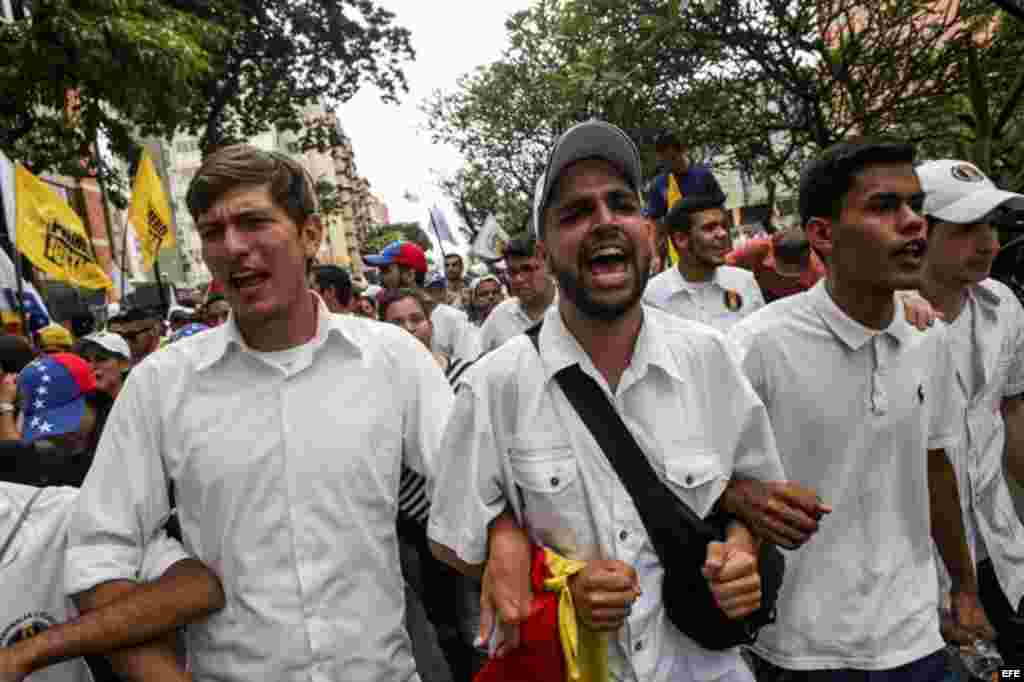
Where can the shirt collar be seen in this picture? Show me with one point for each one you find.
(680, 283)
(850, 331)
(560, 349)
(228, 336)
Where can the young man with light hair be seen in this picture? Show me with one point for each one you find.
(242, 422)
(986, 325)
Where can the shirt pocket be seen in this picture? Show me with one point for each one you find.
(547, 475)
(696, 476)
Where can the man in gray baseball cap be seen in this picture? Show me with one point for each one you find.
(513, 443)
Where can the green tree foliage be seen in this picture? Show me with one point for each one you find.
(225, 70)
(380, 236)
(756, 85)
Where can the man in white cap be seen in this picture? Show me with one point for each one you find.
(110, 357)
(986, 324)
(514, 442)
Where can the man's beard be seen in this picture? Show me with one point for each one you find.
(572, 288)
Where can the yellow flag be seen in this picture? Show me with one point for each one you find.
(674, 195)
(52, 236)
(149, 211)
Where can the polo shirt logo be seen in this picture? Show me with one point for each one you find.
(733, 300)
(920, 393)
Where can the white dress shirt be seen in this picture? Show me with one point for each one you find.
(507, 320)
(32, 570)
(854, 412)
(989, 352)
(287, 485)
(454, 334)
(513, 433)
(729, 296)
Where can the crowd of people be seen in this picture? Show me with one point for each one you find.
(312, 478)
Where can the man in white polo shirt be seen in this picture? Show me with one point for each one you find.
(284, 433)
(532, 289)
(986, 324)
(864, 410)
(702, 287)
(514, 441)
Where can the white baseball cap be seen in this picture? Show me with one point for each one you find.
(958, 192)
(109, 341)
(591, 139)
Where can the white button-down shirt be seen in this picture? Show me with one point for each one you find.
(729, 296)
(287, 487)
(32, 569)
(990, 331)
(854, 412)
(507, 320)
(514, 439)
(454, 334)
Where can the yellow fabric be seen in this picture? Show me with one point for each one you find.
(586, 651)
(52, 236)
(149, 212)
(673, 196)
(55, 336)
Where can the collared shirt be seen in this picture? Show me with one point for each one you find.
(990, 359)
(32, 569)
(519, 442)
(454, 334)
(287, 488)
(855, 411)
(507, 320)
(730, 295)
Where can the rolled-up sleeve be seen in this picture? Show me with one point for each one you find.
(160, 554)
(946, 415)
(427, 401)
(124, 499)
(469, 493)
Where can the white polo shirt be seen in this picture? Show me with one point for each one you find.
(454, 334)
(729, 296)
(989, 352)
(32, 570)
(513, 432)
(286, 470)
(507, 320)
(854, 411)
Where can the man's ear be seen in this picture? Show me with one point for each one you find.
(821, 236)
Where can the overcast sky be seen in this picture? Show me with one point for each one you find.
(451, 37)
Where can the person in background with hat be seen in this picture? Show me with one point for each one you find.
(986, 323)
(513, 443)
(110, 357)
(141, 328)
(783, 263)
(484, 297)
(436, 288)
(403, 265)
(55, 338)
(702, 287)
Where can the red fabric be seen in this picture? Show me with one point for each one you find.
(539, 657)
(79, 369)
(757, 255)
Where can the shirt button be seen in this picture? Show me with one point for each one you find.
(554, 481)
(689, 479)
(623, 535)
(639, 646)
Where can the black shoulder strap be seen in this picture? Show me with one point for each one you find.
(657, 505)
